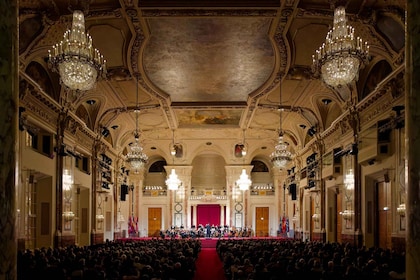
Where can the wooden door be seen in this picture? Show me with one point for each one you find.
(339, 217)
(384, 216)
(262, 220)
(312, 222)
(154, 221)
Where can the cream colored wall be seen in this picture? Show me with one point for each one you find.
(263, 201)
(84, 202)
(33, 162)
(157, 202)
(44, 192)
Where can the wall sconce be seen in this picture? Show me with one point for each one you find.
(401, 209)
(100, 218)
(349, 180)
(68, 216)
(347, 214)
(316, 217)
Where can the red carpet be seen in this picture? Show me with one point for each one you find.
(208, 266)
(208, 243)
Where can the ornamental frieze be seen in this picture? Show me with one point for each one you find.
(41, 111)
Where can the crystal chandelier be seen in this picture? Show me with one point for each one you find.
(243, 182)
(136, 158)
(339, 59)
(74, 58)
(281, 156)
(173, 182)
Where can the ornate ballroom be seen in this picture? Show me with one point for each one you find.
(282, 118)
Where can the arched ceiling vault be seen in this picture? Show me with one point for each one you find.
(210, 69)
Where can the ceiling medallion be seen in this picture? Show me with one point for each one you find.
(339, 59)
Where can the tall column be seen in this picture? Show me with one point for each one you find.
(412, 116)
(353, 120)
(98, 148)
(194, 221)
(9, 91)
(222, 216)
(61, 127)
(179, 198)
(236, 206)
(280, 200)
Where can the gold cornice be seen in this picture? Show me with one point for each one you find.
(369, 109)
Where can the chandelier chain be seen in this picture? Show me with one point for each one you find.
(281, 156)
(136, 158)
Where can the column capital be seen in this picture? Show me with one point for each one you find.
(181, 170)
(233, 170)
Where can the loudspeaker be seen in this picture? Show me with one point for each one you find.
(124, 192)
(292, 191)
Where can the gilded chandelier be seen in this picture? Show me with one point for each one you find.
(339, 59)
(74, 58)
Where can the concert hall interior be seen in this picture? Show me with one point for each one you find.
(267, 119)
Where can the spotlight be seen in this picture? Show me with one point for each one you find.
(105, 132)
(311, 131)
(354, 149)
(326, 101)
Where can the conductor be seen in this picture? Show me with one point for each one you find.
(208, 230)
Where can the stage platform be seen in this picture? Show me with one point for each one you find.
(205, 238)
(209, 241)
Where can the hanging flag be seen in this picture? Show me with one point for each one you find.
(136, 228)
(283, 222)
(280, 226)
(129, 225)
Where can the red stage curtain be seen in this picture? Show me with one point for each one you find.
(208, 214)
